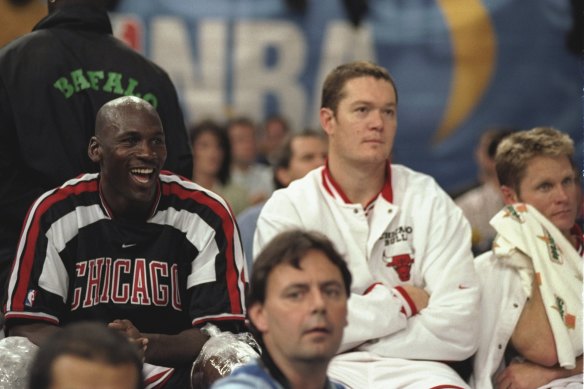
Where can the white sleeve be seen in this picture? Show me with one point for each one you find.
(277, 215)
(447, 329)
(374, 315)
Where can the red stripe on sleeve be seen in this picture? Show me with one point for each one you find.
(370, 288)
(31, 237)
(408, 299)
(229, 231)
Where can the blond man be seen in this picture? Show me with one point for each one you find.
(531, 316)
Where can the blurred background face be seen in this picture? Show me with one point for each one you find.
(308, 153)
(243, 144)
(485, 162)
(275, 133)
(207, 154)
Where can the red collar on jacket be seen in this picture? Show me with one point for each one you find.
(334, 189)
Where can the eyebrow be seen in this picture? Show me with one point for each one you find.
(367, 102)
(302, 285)
(138, 132)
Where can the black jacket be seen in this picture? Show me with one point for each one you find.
(52, 83)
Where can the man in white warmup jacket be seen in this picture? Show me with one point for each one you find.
(415, 295)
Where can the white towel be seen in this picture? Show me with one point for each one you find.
(526, 240)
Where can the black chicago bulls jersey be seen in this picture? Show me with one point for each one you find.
(181, 268)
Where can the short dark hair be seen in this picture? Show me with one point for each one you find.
(211, 127)
(284, 155)
(243, 121)
(334, 84)
(290, 247)
(88, 340)
(278, 118)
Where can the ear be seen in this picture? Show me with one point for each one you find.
(326, 118)
(257, 315)
(94, 150)
(509, 195)
(283, 176)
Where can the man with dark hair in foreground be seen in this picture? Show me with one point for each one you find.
(297, 305)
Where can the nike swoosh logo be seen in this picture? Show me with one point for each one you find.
(125, 246)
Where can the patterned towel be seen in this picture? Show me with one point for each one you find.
(529, 242)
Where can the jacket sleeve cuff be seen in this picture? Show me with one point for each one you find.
(408, 305)
(370, 288)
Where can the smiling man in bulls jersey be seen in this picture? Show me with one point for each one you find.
(142, 250)
(414, 297)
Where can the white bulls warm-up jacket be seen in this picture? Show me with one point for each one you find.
(412, 233)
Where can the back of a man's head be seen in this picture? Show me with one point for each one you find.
(242, 136)
(516, 150)
(88, 341)
(486, 150)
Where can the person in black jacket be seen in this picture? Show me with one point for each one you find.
(52, 83)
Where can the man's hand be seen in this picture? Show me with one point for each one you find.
(524, 375)
(418, 295)
(133, 334)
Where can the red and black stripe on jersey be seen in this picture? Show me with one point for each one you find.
(183, 267)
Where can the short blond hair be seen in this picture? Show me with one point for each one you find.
(516, 150)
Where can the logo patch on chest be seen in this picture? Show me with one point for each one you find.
(402, 264)
(400, 234)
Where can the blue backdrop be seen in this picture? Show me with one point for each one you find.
(461, 66)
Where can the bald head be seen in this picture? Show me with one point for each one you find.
(112, 114)
(122, 121)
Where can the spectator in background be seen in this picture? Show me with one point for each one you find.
(245, 170)
(297, 304)
(87, 355)
(212, 164)
(274, 133)
(299, 154)
(483, 202)
(531, 282)
(52, 83)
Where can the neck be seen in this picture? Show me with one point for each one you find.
(122, 208)
(309, 379)
(305, 374)
(242, 166)
(127, 211)
(359, 183)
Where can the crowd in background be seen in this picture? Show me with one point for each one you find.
(232, 166)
